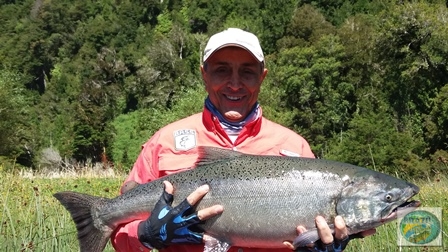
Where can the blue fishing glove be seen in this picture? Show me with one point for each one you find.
(336, 246)
(168, 225)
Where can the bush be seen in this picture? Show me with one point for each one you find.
(50, 159)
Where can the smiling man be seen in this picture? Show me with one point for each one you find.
(233, 71)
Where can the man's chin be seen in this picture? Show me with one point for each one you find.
(233, 116)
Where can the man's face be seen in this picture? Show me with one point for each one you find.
(233, 77)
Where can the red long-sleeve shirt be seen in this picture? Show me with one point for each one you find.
(173, 149)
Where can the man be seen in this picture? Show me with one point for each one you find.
(233, 71)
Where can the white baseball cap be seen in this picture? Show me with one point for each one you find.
(234, 37)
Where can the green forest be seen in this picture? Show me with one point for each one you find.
(364, 81)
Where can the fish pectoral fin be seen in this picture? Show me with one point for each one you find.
(214, 245)
(306, 238)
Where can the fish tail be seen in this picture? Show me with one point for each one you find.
(91, 237)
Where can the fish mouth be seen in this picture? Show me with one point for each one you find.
(402, 210)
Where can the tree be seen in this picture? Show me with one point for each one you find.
(135, 128)
(411, 52)
(338, 11)
(15, 108)
(372, 140)
(315, 89)
(437, 122)
(97, 105)
(275, 17)
(306, 27)
(162, 71)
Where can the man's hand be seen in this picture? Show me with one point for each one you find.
(168, 225)
(328, 242)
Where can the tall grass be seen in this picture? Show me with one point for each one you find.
(32, 220)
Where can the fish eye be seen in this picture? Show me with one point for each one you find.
(388, 197)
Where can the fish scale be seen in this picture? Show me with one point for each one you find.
(284, 209)
(264, 198)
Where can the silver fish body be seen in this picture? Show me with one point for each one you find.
(264, 197)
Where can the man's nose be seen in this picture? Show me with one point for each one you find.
(234, 82)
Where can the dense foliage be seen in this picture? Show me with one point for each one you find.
(366, 82)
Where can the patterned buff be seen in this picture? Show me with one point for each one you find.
(233, 126)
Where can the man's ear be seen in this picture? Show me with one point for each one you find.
(263, 75)
(203, 73)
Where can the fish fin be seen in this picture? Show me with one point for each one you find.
(214, 245)
(209, 155)
(90, 237)
(306, 238)
(131, 184)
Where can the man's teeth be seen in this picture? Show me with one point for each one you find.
(233, 98)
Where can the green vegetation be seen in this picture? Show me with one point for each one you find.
(82, 82)
(32, 220)
(366, 82)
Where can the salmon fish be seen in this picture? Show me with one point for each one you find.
(264, 198)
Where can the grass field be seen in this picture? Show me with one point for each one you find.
(32, 220)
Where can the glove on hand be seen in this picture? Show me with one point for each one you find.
(168, 225)
(336, 246)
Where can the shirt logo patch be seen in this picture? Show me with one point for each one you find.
(184, 139)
